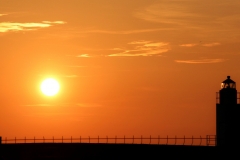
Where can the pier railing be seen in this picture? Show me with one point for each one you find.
(209, 140)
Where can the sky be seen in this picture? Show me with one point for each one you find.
(139, 67)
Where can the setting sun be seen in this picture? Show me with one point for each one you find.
(50, 87)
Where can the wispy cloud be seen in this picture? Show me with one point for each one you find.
(89, 105)
(193, 14)
(38, 105)
(83, 55)
(128, 31)
(117, 49)
(188, 45)
(201, 61)
(205, 45)
(143, 48)
(3, 15)
(211, 44)
(54, 22)
(71, 76)
(166, 12)
(77, 66)
(140, 42)
(66, 105)
(12, 26)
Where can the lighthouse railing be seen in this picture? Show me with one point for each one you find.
(218, 98)
(238, 97)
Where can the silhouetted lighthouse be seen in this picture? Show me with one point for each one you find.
(227, 114)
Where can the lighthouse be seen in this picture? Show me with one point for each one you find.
(227, 114)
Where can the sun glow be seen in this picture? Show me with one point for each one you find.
(50, 87)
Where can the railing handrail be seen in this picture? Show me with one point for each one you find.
(209, 139)
(218, 97)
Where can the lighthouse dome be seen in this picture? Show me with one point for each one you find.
(228, 83)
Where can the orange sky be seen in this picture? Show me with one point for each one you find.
(139, 67)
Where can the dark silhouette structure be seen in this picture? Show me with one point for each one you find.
(227, 114)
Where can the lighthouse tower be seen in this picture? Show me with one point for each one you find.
(227, 114)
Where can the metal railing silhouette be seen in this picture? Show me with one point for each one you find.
(218, 98)
(209, 140)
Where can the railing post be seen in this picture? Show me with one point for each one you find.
(175, 140)
(215, 140)
(167, 140)
(184, 140)
(192, 140)
(207, 140)
(200, 140)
